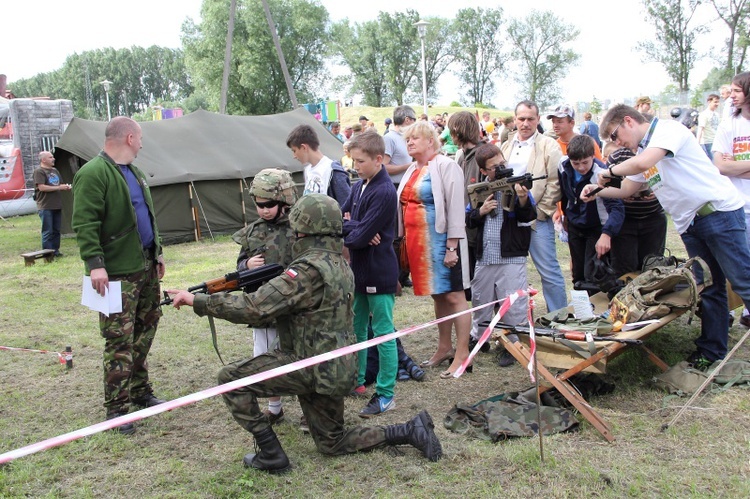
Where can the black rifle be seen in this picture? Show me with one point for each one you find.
(478, 192)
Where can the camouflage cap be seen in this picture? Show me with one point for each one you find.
(316, 214)
(276, 184)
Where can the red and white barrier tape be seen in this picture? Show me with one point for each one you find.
(507, 303)
(60, 355)
(218, 390)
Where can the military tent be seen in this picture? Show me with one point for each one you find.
(199, 165)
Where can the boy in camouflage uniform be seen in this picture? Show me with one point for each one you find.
(268, 240)
(312, 304)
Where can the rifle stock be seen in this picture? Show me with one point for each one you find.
(478, 192)
(246, 280)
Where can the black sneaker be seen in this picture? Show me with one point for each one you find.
(698, 361)
(378, 404)
(745, 321)
(505, 359)
(484, 348)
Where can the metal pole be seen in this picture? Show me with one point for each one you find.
(227, 58)
(424, 78)
(282, 62)
(109, 114)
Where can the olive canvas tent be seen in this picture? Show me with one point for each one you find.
(199, 166)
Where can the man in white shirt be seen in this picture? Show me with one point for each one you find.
(705, 207)
(529, 151)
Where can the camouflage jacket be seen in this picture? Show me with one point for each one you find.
(312, 305)
(273, 240)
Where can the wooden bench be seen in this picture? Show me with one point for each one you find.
(31, 257)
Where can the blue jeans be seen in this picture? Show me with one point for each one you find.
(720, 240)
(707, 148)
(544, 255)
(51, 220)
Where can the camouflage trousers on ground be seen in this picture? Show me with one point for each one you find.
(324, 413)
(128, 337)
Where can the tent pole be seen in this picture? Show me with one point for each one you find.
(242, 200)
(194, 212)
(203, 212)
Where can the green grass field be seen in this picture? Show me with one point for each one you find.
(196, 451)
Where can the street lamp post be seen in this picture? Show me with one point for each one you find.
(106, 84)
(422, 30)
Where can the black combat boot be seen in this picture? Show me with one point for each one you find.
(271, 457)
(419, 433)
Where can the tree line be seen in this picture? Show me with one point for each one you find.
(381, 58)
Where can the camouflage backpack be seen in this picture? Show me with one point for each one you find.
(683, 380)
(657, 292)
(509, 415)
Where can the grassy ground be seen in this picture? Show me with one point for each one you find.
(196, 451)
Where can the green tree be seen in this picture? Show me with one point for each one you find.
(403, 54)
(256, 82)
(139, 77)
(674, 45)
(595, 107)
(359, 47)
(478, 50)
(539, 46)
(736, 15)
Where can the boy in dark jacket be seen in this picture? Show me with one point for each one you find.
(591, 226)
(502, 245)
(369, 230)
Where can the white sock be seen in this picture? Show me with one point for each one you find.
(274, 406)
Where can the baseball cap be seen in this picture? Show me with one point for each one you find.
(562, 111)
(357, 127)
(363, 117)
(388, 121)
(643, 100)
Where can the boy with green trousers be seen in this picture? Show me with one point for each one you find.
(369, 230)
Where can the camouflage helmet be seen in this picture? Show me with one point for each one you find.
(316, 214)
(276, 184)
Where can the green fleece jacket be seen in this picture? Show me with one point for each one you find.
(104, 218)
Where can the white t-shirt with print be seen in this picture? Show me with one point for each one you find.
(318, 177)
(684, 180)
(733, 137)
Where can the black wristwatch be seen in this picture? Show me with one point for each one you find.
(451, 249)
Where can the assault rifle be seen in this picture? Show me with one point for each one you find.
(504, 182)
(246, 280)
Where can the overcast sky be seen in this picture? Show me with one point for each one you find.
(39, 34)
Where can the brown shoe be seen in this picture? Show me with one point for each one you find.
(274, 418)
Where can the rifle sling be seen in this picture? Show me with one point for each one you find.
(213, 338)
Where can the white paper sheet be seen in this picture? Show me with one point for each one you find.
(110, 303)
(582, 308)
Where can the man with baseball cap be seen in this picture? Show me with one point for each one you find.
(563, 123)
(643, 105)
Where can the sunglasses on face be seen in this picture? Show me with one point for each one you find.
(613, 135)
(267, 204)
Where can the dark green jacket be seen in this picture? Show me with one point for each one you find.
(104, 218)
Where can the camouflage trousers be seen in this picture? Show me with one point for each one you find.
(128, 337)
(324, 413)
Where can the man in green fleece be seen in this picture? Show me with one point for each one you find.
(115, 226)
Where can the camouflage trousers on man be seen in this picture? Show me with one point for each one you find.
(128, 337)
(324, 413)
